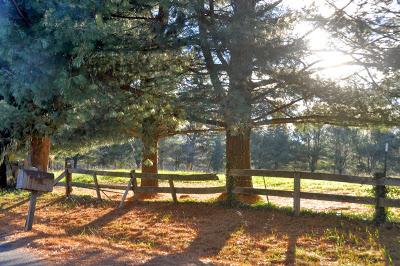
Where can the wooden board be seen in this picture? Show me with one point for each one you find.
(92, 186)
(260, 172)
(128, 187)
(173, 191)
(316, 176)
(31, 211)
(338, 198)
(391, 181)
(193, 177)
(308, 195)
(153, 190)
(99, 173)
(59, 178)
(261, 191)
(200, 190)
(296, 195)
(389, 203)
(96, 184)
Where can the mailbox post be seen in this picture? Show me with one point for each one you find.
(36, 182)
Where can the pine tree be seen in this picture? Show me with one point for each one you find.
(40, 74)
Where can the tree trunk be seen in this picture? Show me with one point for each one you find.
(3, 174)
(75, 159)
(313, 164)
(51, 166)
(238, 104)
(40, 151)
(150, 153)
(160, 163)
(138, 163)
(238, 155)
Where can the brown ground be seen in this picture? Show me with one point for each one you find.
(83, 231)
(314, 205)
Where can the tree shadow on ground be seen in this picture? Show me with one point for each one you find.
(291, 250)
(20, 203)
(209, 240)
(9, 255)
(213, 225)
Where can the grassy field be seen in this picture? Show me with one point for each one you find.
(89, 232)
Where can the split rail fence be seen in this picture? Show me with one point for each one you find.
(132, 183)
(379, 182)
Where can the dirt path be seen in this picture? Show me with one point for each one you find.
(12, 254)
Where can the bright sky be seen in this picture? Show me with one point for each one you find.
(319, 41)
(332, 61)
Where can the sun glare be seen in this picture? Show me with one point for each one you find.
(330, 62)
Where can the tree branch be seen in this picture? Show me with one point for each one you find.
(134, 17)
(20, 13)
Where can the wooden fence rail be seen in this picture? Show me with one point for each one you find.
(192, 177)
(316, 176)
(179, 190)
(296, 194)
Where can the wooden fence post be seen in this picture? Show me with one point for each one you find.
(230, 187)
(380, 192)
(68, 179)
(173, 190)
(296, 194)
(96, 183)
(31, 210)
(132, 184)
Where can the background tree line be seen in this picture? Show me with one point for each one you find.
(309, 148)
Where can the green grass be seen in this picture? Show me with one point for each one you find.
(12, 196)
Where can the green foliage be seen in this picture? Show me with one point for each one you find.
(36, 77)
(370, 28)
(217, 155)
(271, 148)
(311, 140)
(338, 150)
(69, 68)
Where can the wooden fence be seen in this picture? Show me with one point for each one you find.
(132, 183)
(297, 195)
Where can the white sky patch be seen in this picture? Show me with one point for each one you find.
(331, 63)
